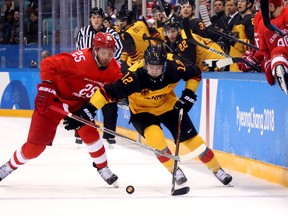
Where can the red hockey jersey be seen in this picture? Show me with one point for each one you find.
(268, 39)
(76, 76)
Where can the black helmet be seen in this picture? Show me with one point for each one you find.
(190, 2)
(155, 55)
(107, 17)
(125, 15)
(172, 23)
(96, 11)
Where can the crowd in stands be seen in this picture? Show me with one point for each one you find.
(10, 25)
(234, 18)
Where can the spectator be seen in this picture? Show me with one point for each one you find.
(8, 7)
(7, 28)
(44, 54)
(111, 10)
(32, 30)
(150, 4)
(124, 6)
(32, 7)
(137, 9)
(33, 4)
(14, 37)
(1, 30)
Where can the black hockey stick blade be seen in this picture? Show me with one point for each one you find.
(180, 191)
(266, 18)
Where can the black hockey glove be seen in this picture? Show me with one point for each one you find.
(186, 101)
(87, 112)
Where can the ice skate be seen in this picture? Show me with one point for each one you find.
(78, 140)
(5, 170)
(108, 176)
(111, 142)
(281, 77)
(223, 177)
(180, 177)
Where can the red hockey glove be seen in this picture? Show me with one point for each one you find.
(45, 97)
(268, 72)
(253, 58)
(186, 101)
(87, 112)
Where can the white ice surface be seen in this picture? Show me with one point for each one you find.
(62, 182)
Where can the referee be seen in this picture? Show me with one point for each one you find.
(84, 40)
(86, 34)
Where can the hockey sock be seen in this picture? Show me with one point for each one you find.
(166, 162)
(98, 154)
(209, 159)
(27, 152)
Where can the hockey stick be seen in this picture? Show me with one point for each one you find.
(206, 19)
(145, 37)
(94, 125)
(190, 38)
(161, 8)
(266, 18)
(184, 190)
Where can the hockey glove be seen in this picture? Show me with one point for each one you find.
(87, 112)
(45, 96)
(186, 101)
(254, 58)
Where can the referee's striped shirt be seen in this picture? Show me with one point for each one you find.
(85, 36)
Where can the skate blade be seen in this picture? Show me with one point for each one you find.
(280, 78)
(115, 184)
(111, 146)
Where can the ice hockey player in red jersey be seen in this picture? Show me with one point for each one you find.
(275, 47)
(68, 82)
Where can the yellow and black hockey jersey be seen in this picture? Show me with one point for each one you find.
(244, 30)
(149, 95)
(194, 53)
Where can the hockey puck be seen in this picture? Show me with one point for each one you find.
(130, 189)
